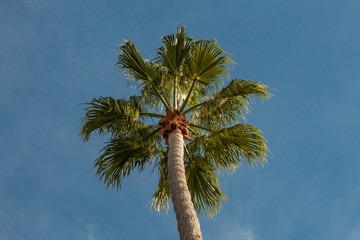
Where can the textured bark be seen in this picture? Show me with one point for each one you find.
(188, 223)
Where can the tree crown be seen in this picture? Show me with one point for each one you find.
(182, 87)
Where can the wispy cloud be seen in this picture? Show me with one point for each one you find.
(90, 236)
(355, 233)
(236, 232)
(91, 233)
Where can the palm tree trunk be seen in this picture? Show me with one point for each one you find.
(188, 223)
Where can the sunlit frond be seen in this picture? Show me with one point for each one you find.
(133, 64)
(229, 147)
(208, 63)
(224, 107)
(148, 75)
(160, 85)
(245, 89)
(176, 51)
(205, 69)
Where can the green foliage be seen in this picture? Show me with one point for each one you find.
(176, 52)
(106, 114)
(131, 61)
(228, 147)
(161, 197)
(124, 153)
(187, 74)
(224, 106)
(208, 63)
(202, 179)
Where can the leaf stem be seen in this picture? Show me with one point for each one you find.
(188, 96)
(175, 92)
(155, 115)
(153, 132)
(194, 107)
(166, 104)
(200, 127)
(192, 130)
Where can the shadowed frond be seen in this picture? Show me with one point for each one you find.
(106, 114)
(203, 185)
(123, 154)
(174, 56)
(202, 182)
(162, 196)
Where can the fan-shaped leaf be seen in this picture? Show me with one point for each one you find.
(203, 185)
(123, 154)
(229, 147)
(106, 114)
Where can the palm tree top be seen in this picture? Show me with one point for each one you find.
(180, 89)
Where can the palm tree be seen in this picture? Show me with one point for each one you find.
(182, 87)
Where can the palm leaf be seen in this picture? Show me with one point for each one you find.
(229, 147)
(202, 182)
(206, 67)
(131, 61)
(140, 72)
(106, 114)
(208, 62)
(174, 56)
(203, 185)
(175, 52)
(121, 155)
(160, 85)
(162, 196)
(224, 107)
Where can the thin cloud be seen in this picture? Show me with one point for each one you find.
(236, 232)
(354, 233)
(91, 232)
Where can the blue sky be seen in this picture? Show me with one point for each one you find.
(57, 54)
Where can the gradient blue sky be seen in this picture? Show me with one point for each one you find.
(57, 54)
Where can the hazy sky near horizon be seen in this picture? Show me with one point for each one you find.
(57, 54)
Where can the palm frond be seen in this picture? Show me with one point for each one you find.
(245, 89)
(175, 52)
(159, 90)
(174, 55)
(142, 73)
(224, 107)
(229, 147)
(203, 185)
(121, 155)
(106, 114)
(202, 182)
(131, 61)
(162, 196)
(206, 67)
(208, 62)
